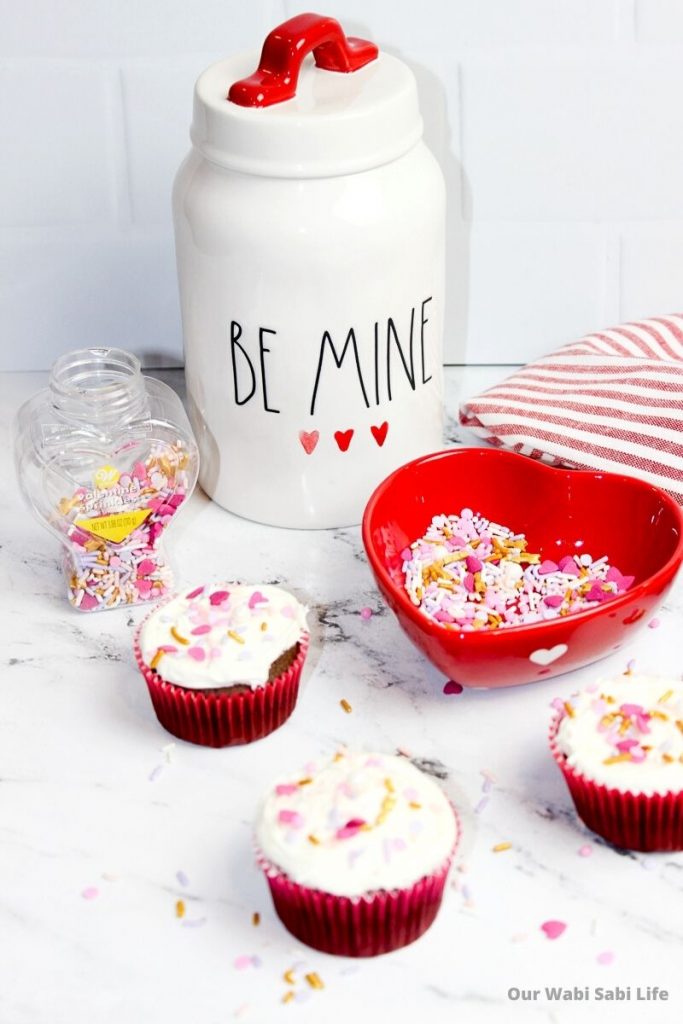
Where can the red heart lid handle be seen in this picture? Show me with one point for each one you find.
(276, 77)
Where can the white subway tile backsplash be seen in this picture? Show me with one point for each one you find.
(573, 138)
(91, 29)
(659, 21)
(452, 26)
(651, 270)
(58, 294)
(157, 100)
(522, 289)
(56, 160)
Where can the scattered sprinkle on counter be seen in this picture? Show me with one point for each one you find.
(502, 847)
(180, 908)
(256, 919)
(91, 892)
(345, 706)
(314, 980)
(366, 613)
(553, 929)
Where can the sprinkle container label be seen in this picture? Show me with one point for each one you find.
(115, 527)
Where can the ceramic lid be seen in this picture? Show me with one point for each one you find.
(318, 104)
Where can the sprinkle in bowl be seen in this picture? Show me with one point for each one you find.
(561, 512)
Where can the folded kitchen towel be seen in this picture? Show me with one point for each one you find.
(611, 401)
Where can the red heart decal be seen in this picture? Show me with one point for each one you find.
(343, 439)
(309, 441)
(380, 433)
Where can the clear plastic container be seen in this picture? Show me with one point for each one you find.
(106, 458)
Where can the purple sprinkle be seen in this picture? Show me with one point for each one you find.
(653, 624)
(465, 890)
(481, 805)
(182, 879)
(256, 961)
(631, 665)
(487, 786)
(193, 922)
(156, 772)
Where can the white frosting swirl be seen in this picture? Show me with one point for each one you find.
(627, 734)
(358, 824)
(222, 635)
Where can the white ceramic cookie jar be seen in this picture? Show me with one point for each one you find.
(309, 221)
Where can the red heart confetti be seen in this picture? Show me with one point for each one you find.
(453, 687)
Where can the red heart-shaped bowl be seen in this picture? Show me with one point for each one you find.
(561, 511)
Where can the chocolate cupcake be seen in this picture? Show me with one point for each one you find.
(223, 662)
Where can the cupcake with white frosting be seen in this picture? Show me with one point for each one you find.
(356, 852)
(223, 662)
(619, 744)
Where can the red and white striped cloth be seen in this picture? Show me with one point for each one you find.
(611, 401)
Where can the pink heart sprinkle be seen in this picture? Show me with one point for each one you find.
(469, 582)
(198, 653)
(350, 829)
(194, 593)
(473, 564)
(586, 850)
(139, 471)
(624, 745)
(201, 630)
(406, 554)
(286, 788)
(91, 892)
(257, 598)
(292, 818)
(553, 600)
(366, 613)
(146, 566)
(88, 602)
(553, 929)
(547, 566)
(144, 586)
(625, 582)
(606, 957)
(632, 709)
(453, 687)
(218, 597)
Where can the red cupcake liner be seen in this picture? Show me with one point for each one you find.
(368, 925)
(223, 719)
(633, 821)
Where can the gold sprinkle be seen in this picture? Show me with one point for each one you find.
(288, 976)
(264, 627)
(665, 697)
(415, 805)
(256, 919)
(501, 847)
(288, 996)
(616, 758)
(235, 636)
(179, 908)
(625, 726)
(314, 840)
(304, 782)
(314, 980)
(389, 786)
(660, 715)
(156, 659)
(346, 706)
(339, 756)
(667, 758)
(569, 709)
(176, 636)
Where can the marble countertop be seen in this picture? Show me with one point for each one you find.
(96, 800)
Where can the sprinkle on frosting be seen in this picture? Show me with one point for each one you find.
(467, 572)
(624, 733)
(228, 643)
(364, 822)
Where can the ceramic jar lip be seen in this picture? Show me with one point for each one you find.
(337, 124)
(98, 385)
